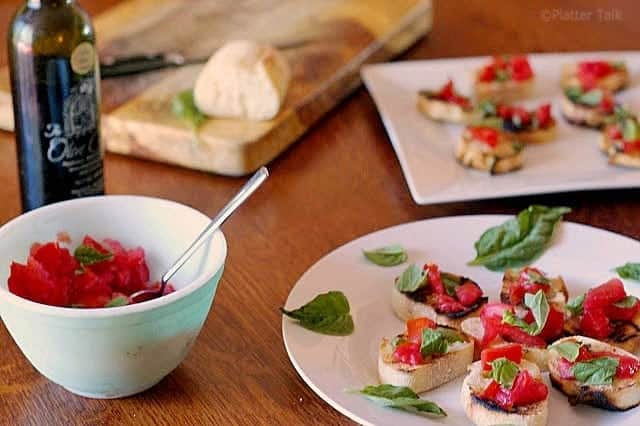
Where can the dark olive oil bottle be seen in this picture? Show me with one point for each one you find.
(56, 102)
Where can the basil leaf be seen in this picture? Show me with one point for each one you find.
(401, 398)
(488, 108)
(502, 75)
(436, 341)
(504, 371)
(575, 305)
(184, 107)
(629, 271)
(117, 301)
(520, 240)
(411, 279)
(592, 98)
(568, 350)
(598, 371)
(573, 93)
(510, 318)
(619, 65)
(630, 130)
(86, 255)
(387, 256)
(539, 308)
(327, 313)
(627, 302)
(450, 282)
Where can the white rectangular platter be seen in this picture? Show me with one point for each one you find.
(572, 162)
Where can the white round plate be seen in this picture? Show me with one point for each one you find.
(583, 255)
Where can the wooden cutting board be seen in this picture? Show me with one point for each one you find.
(332, 39)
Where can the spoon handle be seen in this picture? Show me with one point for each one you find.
(252, 184)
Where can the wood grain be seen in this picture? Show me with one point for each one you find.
(341, 181)
(332, 38)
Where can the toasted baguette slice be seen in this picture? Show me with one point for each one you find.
(450, 112)
(626, 334)
(483, 413)
(405, 307)
(557, 294)
(505, 157)
(622, 394)
(613, 82)
(473, 327)
(582, 115)
(613, 149)
(421, 378)
(503, 91)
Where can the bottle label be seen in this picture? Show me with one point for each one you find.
(83, 58)
(74, 145)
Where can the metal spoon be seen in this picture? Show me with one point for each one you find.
(252, 184)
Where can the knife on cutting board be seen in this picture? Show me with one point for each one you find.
(113, 67)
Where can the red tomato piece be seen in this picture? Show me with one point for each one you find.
(607, 104)
(55, 259)
(487, 74)
(543, 115)
(522, 115)
(488, 135)
(628, 367)
(511, 351)
(554, 325)
(447, 91)
(415, 327)
(408, 353)
(527, 390)
(614, 132)
(89, 291)
(565, 369)
(434, 278)
(605, 294)
(515, 334)
(622, 314)
(468, 293)
(520, 68)
(504, 111)
(631, 147)
(594, 323)
(491, 391)
(447, 304)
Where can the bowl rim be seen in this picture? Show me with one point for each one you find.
(88, 313)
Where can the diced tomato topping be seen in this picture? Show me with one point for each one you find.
(447, 91)
(605, 294)
(631, 147)
(415, 327)
(504, 111)
(554, 325)
(488, 135)
(487, 74)
(565, 369)
(628, 367)
(527, 390)
(622, 314)
(515, 334)
(447, 304)
(491, 317)
(434, 278)
(589, 72)
(607, 104)
(525, 285)
(408, 353)
(448, 94)
(594, 323)
(524, 391)
(520, 68)
(468, 293)
(511, 351)
(543, 115)
(614, 132)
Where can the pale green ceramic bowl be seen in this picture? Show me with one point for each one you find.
(114, 352)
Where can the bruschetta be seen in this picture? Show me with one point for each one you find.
(595, 373)
(611, 76)
(518, 282)
(447, 105)
(535, 126)
(489, 149)
(504, 79)
(505, 389)
(620, 141)
(534, 326)
(592, 108)
(443, 297)
(606, 313)
(425, 356)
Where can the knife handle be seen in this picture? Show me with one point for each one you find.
(132, 65)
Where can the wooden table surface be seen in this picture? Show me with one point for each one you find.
(342, 180)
